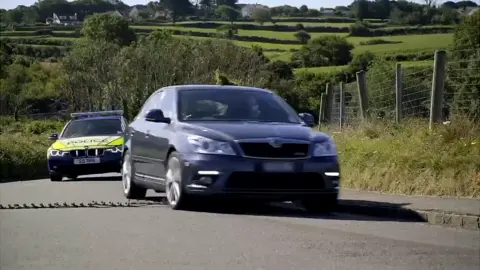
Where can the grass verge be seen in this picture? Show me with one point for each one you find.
(384, 157)
(23, 148)
(408, 159)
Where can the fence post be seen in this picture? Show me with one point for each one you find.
(329, 103)
(342, 105)
(438, 83)
(362, 93)
(398, 93)
(321, 112)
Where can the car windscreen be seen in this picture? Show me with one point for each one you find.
(93, 127)
(234, 105)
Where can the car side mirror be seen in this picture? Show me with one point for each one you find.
(308, 119)
(53, 137)
(156, 116)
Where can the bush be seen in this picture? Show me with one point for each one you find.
(302, 36)
(331, 50)
(299, 26)
(39, 52)
(378, 41)
(33, 41)
(361, 61)
(23, 147)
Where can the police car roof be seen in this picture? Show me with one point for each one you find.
(98, 118)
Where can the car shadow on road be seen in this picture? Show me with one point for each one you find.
(347, 210)
(95, 179)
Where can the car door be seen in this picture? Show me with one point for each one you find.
(137, 131)
(160, 133)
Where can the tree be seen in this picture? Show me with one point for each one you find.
(331, 50)
(361, 9)
(30, 16)
(313, 13)
(228, 31)
(177, 7)
(304, 9)
(108, 27)
(450, 4)
(227, 13)
(230, 3)
(361, 61)
(430, 3)
(303, 36)
(466, 53)
(384, 9)
(262, 15)
(464, 4)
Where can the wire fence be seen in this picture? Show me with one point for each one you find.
(394, 92)
(462, 86)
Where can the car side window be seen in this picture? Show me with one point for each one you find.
(167, 103)
(148, 105)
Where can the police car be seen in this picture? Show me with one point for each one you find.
(90, 143)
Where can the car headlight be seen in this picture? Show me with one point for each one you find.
(325, 149)
(204, 145)
(57, 153)
(116, 149)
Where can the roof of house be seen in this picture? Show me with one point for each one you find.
(67, 18)
(473, 11)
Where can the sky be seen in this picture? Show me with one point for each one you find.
(10, 4)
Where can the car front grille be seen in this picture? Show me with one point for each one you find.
(271, 182)
(265, 150)
(87, 152)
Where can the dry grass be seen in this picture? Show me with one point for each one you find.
(408, 159)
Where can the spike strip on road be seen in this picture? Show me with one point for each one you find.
(92, 204)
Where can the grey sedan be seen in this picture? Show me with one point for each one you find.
(210, 141)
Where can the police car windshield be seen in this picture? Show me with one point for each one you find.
(93, 127)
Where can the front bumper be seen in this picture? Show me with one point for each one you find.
(246, 177)
(109, 162)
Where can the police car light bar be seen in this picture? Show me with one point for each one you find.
(96, 114)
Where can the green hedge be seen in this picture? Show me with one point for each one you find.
(42, 32)
(23, 148)
(39, 52)
(360, 30)
(34, 41)
(354, 29)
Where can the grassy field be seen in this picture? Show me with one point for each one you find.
(341, 68)
(405, 43)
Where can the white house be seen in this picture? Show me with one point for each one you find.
(328, 11)
(63, 19)
(247, 10)
(117, 13)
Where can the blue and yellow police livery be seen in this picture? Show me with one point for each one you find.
(90, 143)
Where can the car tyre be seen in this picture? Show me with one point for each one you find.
(130, 189)
(56, 177)
(323, 205)
(177, 198)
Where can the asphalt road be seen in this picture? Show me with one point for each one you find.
(154, 237)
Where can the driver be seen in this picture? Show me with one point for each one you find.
(246, 108)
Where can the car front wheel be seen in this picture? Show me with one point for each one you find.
(130, 189)
(176, 197)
